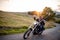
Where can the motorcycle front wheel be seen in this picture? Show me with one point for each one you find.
(27, 33)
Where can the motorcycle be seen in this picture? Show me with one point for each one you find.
(35, 29)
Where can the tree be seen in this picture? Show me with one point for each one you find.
(48, 13)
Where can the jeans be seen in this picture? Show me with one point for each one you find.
(41, 28)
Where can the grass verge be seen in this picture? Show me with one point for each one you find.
(13, 30)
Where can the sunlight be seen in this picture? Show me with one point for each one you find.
(27, 5)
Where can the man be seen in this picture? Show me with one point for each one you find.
(42, 23)
(39, 19)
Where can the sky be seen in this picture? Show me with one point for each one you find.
(28, 5)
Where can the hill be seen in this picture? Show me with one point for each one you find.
(15, 19)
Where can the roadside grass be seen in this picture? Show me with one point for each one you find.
(50, 24)
(13, 31)
(16, 30)
(57, 20)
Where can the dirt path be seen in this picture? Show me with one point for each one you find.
(49, 34)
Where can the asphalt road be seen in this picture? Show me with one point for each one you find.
(48, 34)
